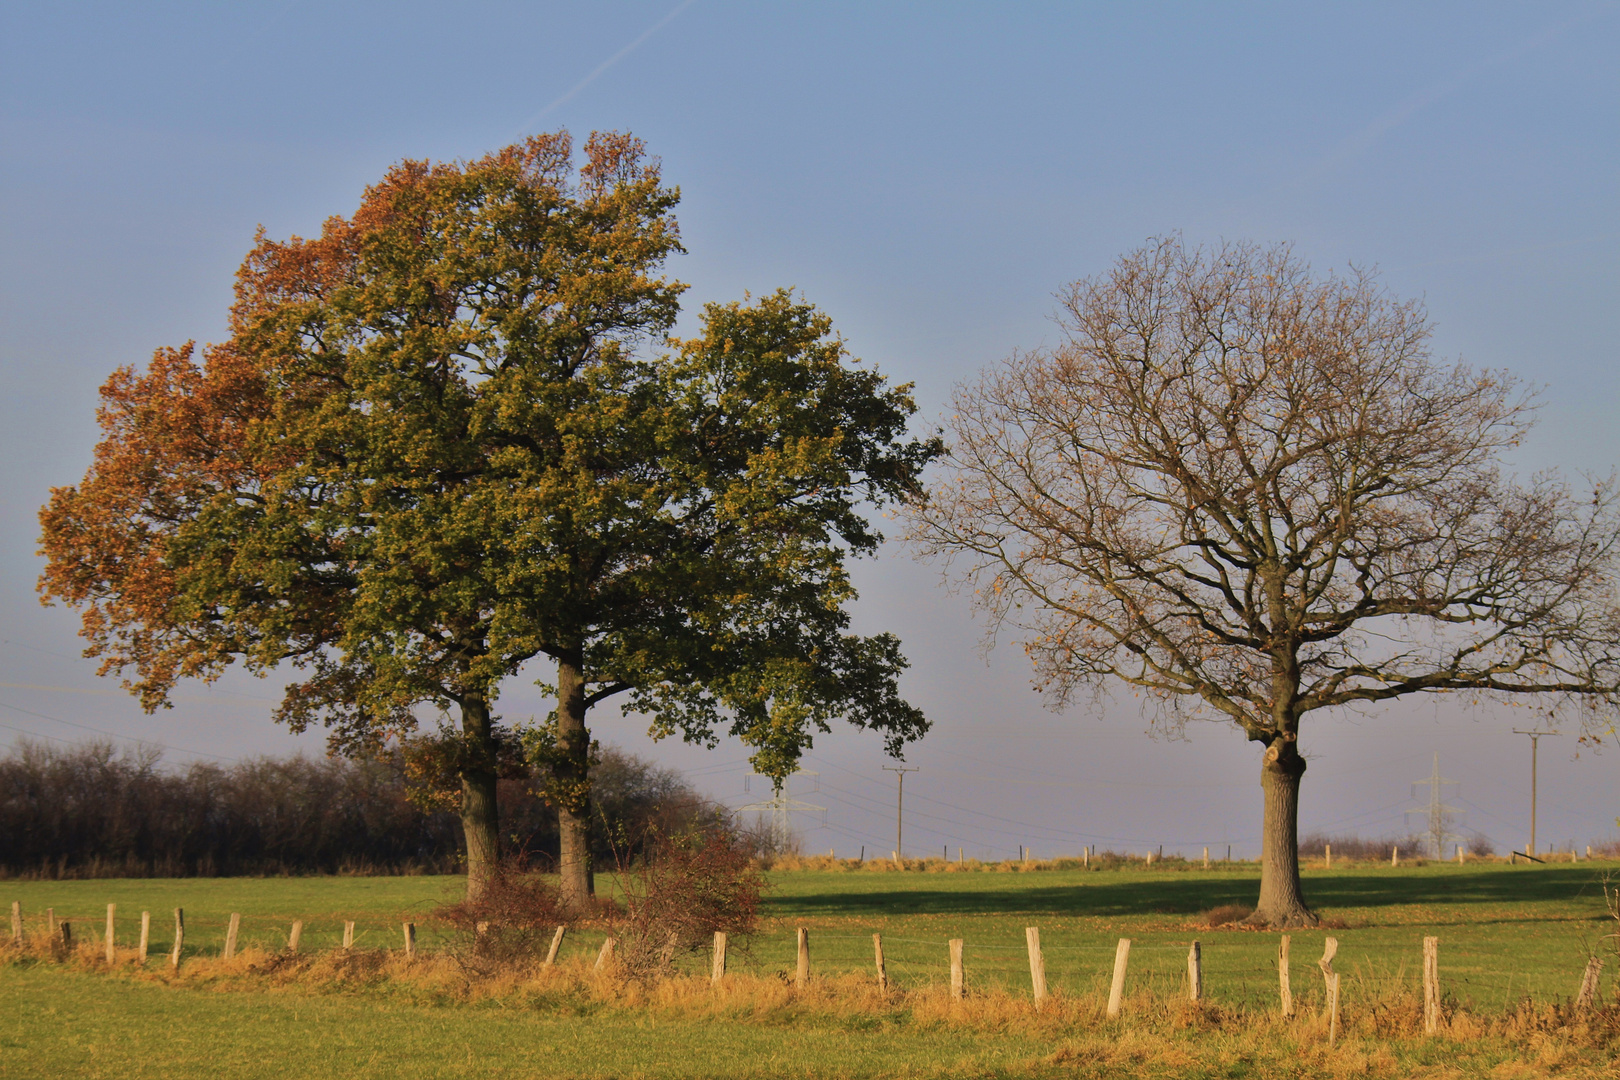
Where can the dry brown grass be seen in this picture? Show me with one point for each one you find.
(1381, 1025)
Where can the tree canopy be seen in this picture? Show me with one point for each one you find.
(433, 449)
(1255, 494)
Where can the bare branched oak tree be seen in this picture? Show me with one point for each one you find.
(1254, 494)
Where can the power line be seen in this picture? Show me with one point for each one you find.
(36, 735)
(1026, 830)
(212, 697)
(114, 734)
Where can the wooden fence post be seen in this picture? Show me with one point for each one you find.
(958, 981)
(1284, 989)
(348, 935)
(1206, 858)
(1037, 963)
(230, 935)
(16, 922)
(605, 954)
(296, 936)
(1327, 856)
(556, 943)
(146, 934)
(1431, 985)
(801, 974)
(66, 939)
(179, 938)
(1589, 984)
(882, 971)
(410, 941)
(1085, 857)
(1331, 978)
(1395, 855)
(718, 970)
(1333, 1009)
(1116, 992)
(1195, 974)
(112, 955)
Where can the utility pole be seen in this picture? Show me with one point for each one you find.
(899, 805)
(1534, 736)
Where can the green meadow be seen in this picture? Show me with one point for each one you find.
(1512, 938)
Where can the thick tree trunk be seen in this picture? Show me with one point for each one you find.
(572, 783)
(1282, 898)
(480, 820)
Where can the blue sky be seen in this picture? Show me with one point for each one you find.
(928, 173)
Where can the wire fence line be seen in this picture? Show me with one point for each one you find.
(1238, 967)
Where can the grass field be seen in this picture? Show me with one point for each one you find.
(1506, 934)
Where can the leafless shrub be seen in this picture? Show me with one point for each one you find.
(511, 922)
(767, 846)
(686, 888)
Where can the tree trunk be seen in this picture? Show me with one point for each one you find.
(572, 783)
(1282, 898)
(480, 820)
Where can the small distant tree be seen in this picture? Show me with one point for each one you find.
(1253, 494)
(431, 451)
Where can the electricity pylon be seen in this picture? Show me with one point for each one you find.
(1437, 811)
(781, 807)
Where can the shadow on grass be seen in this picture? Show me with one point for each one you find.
(1190, 893)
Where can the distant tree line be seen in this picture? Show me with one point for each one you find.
(1412, 845)
(93, 810)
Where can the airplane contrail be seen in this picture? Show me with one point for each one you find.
(604, 65)
(1356, 144)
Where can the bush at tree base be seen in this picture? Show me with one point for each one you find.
(512, 920)
(672, 897)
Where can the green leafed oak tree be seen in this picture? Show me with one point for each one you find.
(433, 449)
